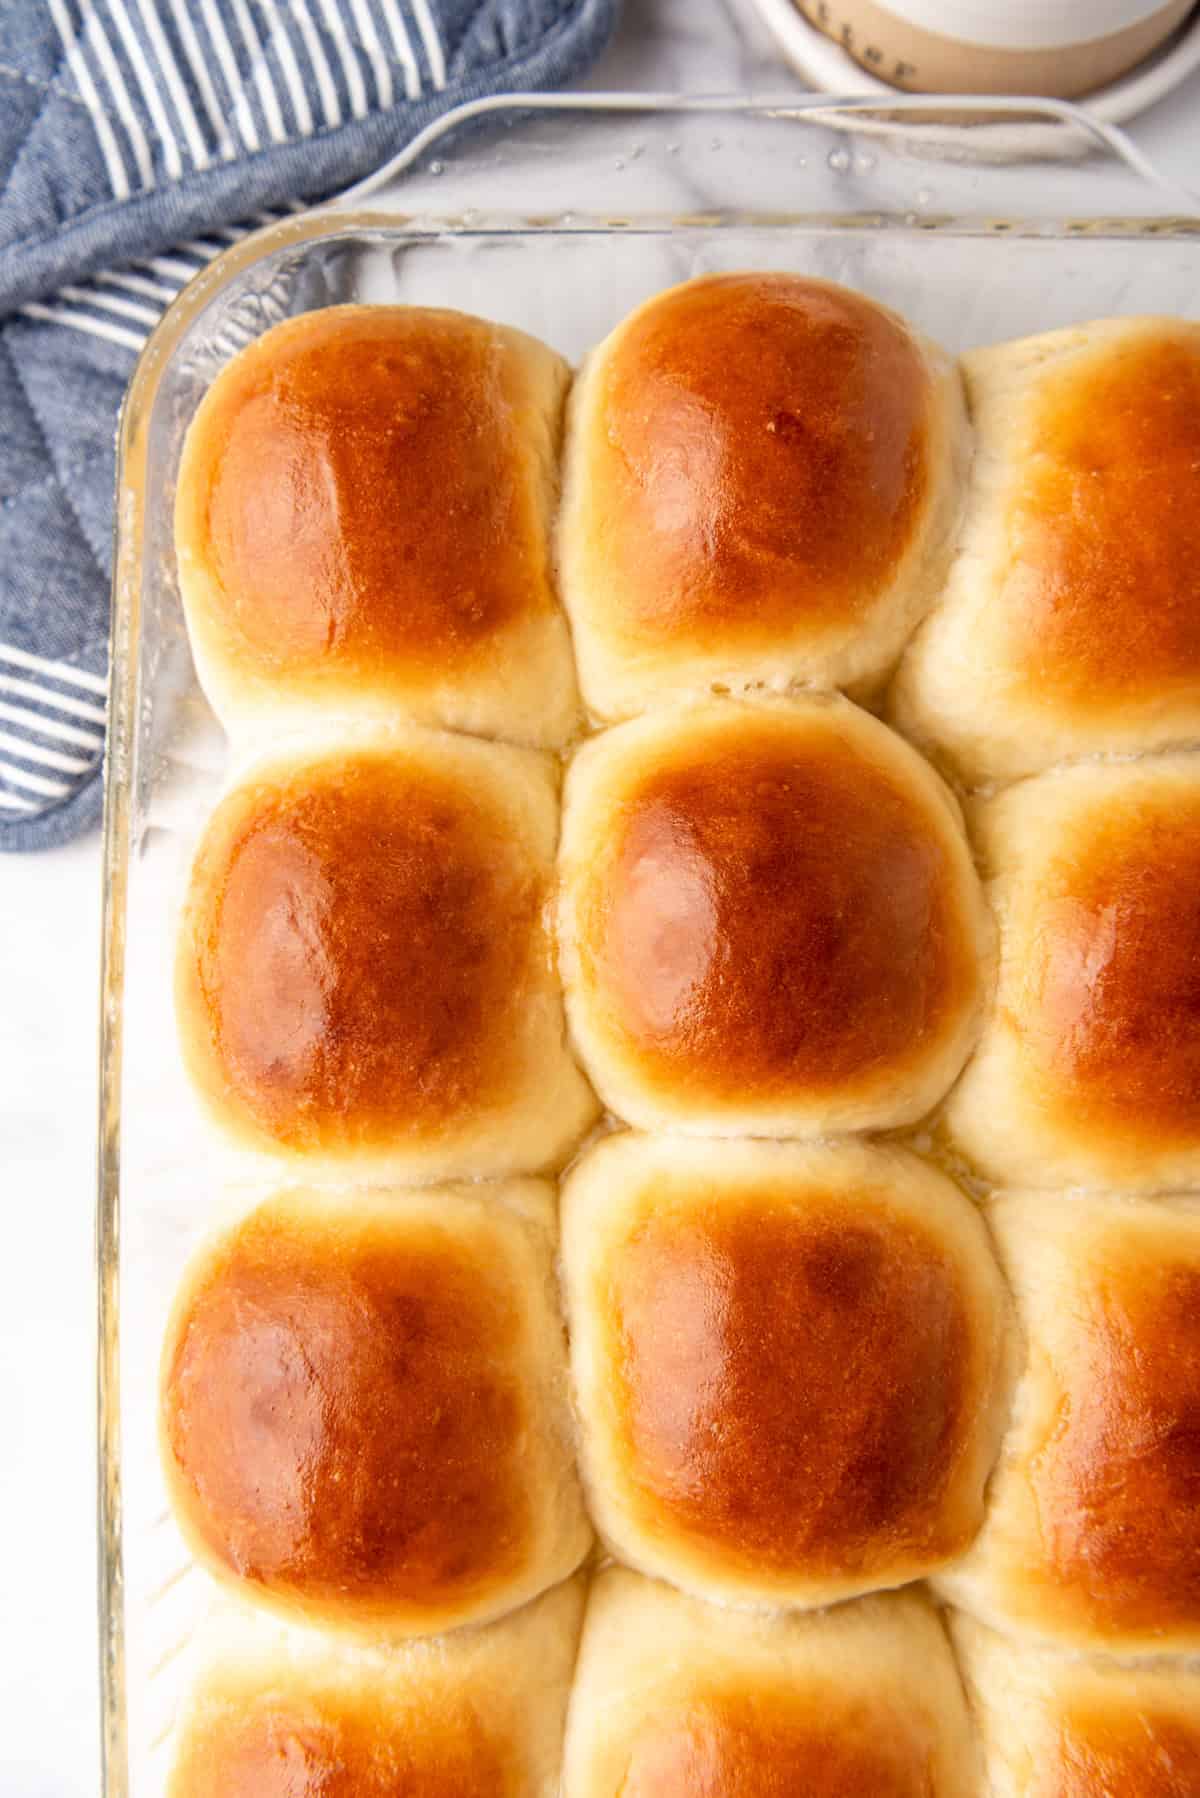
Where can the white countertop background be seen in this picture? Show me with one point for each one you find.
(49, 962)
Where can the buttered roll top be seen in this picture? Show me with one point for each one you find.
(1092, 1537)
(676, 1699)
(761, 475)
(1064, 1726)
(284, 1713)
(1071, 619)
(771, 923)
(1088, 1069)
(362, 525)
(363, 1408)
(788, 1359)
(365, 977)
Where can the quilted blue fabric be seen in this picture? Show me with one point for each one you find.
(137, 139)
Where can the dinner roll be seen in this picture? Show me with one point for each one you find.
(286, 1713)
(1088, 1070)
(1071, 618)
(1055, 1726)
(1092, 1536)
(762, 474)
(771, 924)
(365, 978)
(362, 526)
(788, 1363)
(672, 1697)
(363, 1410)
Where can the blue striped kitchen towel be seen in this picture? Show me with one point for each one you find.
(137, 139)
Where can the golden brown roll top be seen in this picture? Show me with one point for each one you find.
(761, 475)
(673, 1699)
(1088, 1070)
(1071, 622)
(771, 923)
(1092, 1536)
(788, 1363)
(363, 1408)
(364, 974)
(1057, 1726)
(362, 525)
(294, 1714)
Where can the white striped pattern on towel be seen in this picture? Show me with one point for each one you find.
(122, 306)
(174, 86)
(51, 728)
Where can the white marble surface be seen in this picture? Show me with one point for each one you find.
(49, 934)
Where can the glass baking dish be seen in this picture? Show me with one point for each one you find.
(557, 215)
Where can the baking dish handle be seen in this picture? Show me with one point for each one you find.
(979, 129)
